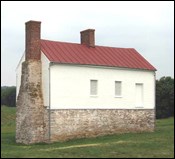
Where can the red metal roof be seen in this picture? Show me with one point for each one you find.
(72, 53)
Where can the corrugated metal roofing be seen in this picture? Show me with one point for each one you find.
(72, 53)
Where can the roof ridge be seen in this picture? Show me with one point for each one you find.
(81, 44)
(59, 41)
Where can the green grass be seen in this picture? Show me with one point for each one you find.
(159, 144)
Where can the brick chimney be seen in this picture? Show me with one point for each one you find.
(88, 37)
(33, 40)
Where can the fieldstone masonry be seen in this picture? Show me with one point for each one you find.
(30, 123)
(69, 124)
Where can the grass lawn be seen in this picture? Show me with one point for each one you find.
(159, 144)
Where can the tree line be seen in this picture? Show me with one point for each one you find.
(164, 97)
(8, 96)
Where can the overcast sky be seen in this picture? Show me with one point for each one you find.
(146, 26)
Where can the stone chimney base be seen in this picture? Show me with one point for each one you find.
(30, 122)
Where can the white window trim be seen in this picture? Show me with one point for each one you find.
(139, 107)
(96, 95)
(93, 96)
(142, 105)
(118, 96)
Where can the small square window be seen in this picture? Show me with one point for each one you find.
(93, 87)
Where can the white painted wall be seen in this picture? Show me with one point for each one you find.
(45, 78)
(18, 74)
(70, 87)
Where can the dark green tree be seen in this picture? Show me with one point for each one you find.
(164, 97)
(8, 96)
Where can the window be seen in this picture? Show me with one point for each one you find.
(93, 87)
(139, 94)
(118, 87)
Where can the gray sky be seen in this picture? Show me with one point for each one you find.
(146, 26)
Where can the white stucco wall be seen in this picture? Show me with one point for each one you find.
(70, 87)
(45, 79)
(18, 74)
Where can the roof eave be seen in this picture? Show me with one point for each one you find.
(93, 65)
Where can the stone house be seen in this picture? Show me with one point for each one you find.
(69, 90)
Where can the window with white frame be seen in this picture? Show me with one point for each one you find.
(93, 87)
(118, 88)
(139, 94)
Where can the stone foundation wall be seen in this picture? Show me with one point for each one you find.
(34, 125)
(69, 124)
(30, 123)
